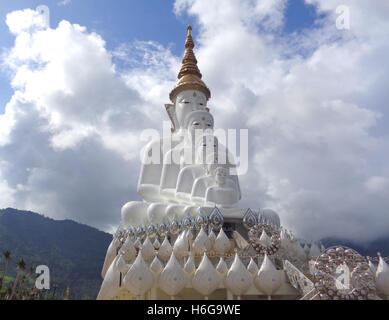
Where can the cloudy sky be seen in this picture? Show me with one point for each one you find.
(75, 97)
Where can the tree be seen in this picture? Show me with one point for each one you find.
(20, 290)
(7, 256)
(32, 277)
(21, 265)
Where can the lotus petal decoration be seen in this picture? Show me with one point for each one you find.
(252, 267)
(156, 266)
(128, 250)
(148, 250)
(121, 264)
(137, 244)
(268, 279)
(165, 250)
(222, 267)
(189, 234)
(181, 246)
(212, 238)
(190, 266)
(222, 243)
(110, 255)
(205, 280)
(172, 279)
(111, 283)
(139, 278)
(238, 279)
(201, 243)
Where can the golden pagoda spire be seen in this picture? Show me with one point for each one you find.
(189, 76)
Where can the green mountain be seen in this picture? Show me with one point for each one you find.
(73, 252)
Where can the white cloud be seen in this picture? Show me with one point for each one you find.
(315, 103)
(378, 185)
(312, 102)
(64, 2)
(26, 20)
(60, 132)
(6, 193)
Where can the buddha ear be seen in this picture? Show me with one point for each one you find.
(171, 111)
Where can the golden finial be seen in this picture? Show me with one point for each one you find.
(189, 76)
(67, 293)
(189, 44)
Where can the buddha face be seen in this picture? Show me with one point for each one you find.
(197, 122)
(221, 174)
(188, 101)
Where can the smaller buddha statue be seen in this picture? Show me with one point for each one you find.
(202, 183)
(225, 192)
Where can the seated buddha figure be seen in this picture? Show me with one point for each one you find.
(225, 192)
(189, 94)
(202, 183)
(189, 174)
(184, 154)
(186, 102)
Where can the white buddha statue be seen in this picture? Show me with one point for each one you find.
(225, 192)
(196, 122)
(189, 94)
(186, 102)
(189, 174)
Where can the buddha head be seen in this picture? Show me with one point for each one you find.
(186, 102)
(198, 123)
(221, 174)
